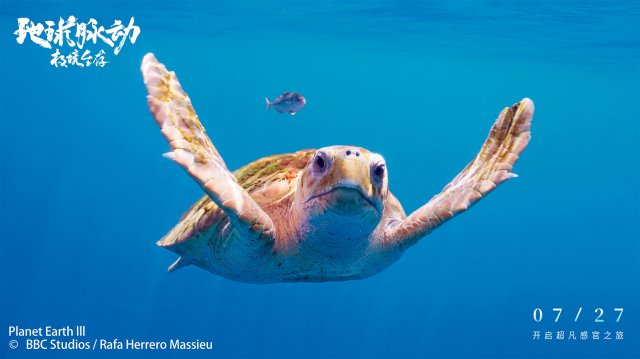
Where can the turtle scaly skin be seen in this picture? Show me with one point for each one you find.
(313, 215)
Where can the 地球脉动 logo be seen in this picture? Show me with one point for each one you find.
(77, 43)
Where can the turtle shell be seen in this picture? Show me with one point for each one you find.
(263, 178)
(267, 180)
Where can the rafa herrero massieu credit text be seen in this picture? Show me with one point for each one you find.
(74, 338)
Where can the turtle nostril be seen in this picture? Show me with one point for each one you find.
(350, 152)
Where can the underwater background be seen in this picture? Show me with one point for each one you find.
(85, 193)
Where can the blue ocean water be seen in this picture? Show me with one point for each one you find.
(84, 192)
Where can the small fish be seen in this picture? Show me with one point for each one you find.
(289, 102)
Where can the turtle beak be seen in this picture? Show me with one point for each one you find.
(353, 173)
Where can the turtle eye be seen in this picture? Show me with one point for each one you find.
(377, 173)
(321, 163)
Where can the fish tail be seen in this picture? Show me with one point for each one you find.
(268, 103)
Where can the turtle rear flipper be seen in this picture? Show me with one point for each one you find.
(192, 149)
(179, 263)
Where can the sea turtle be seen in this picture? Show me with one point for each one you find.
(313, 215)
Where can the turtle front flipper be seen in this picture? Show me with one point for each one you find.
(508, 137)
(192, 149)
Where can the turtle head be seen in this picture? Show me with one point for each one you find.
(346, 180)
(341, 194)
